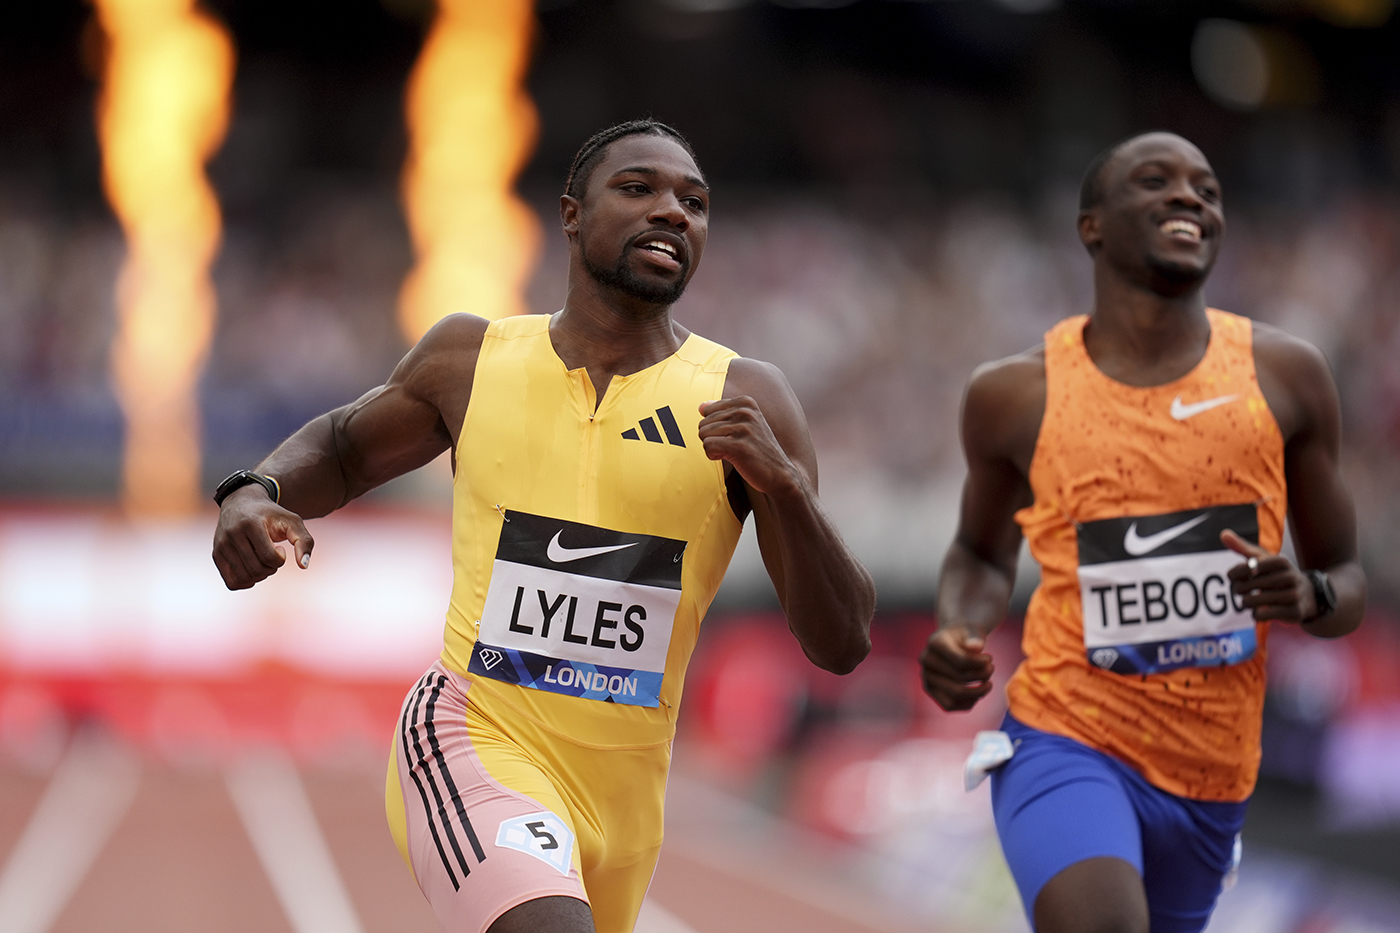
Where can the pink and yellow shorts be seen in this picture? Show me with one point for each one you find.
(489, 817)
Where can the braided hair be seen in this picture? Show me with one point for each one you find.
(591, 153)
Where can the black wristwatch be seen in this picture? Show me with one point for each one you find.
(1323, 594)
(241, 478)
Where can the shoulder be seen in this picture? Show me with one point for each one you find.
(446, 353)
(1287, 356)
(453, 334)
(764, 383)
(1296, 382)
(747, 376)
(1010, 382)
(1004, 406)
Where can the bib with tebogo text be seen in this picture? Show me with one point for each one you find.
(579, 610)
(1156, 591)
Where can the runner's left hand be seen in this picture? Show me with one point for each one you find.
(734, 430)
(1273, 588)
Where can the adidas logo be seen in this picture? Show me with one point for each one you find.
(650, 432)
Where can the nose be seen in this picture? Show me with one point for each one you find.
(1183, 193)
(668, 211)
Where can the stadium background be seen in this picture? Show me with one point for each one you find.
(895, 185)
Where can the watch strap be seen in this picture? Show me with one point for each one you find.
(240, 478)
(1324, 595)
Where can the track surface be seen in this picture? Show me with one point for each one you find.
(261, 845)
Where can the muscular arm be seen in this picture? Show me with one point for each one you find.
(827, 596)
(1301, 393)
(1001, 418)
(343, 454)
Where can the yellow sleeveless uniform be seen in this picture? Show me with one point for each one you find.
(1133, 644)
(588, 542)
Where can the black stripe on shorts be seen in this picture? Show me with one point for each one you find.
(408, 727)
(453, 794)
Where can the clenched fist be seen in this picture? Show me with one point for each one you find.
(245, 539)
(956, 667)
(735, 430)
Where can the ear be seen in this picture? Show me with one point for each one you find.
(569, 210)
(1090, 233)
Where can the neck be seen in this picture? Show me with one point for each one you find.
(611, 334)
(1140, 336)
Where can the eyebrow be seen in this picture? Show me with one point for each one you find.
(1162, 163)
(647, 170)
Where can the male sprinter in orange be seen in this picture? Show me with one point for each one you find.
(1149, 453)
(605, 459)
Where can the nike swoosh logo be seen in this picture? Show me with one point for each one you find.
(1137, 546)
(562, 555)
(1181, 412)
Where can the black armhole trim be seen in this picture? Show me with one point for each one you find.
(738, 495)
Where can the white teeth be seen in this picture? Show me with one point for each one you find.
(1182, 226)
(666, 248)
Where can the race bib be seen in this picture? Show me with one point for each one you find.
(1156, 594)
(579, 610)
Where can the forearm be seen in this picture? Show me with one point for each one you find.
(974, 593)
(307, 467)
(827, 596)
(1349, 583)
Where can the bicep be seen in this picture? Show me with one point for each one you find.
(386, 433)
(992, 494)
(401, 425)
(769, 389)
(1320, 507)
(994, 430)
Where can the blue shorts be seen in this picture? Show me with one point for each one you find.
(1058, 802)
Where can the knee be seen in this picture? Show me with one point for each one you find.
(1100, 895)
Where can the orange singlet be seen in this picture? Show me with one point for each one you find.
(1134, 645)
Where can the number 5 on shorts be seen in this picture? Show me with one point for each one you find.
(543, 835)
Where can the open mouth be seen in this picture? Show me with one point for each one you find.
(662, 252)
(1185, 230)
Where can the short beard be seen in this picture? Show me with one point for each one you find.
(620, 277)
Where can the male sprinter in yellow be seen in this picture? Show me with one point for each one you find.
(605, 459)
(1149, 452)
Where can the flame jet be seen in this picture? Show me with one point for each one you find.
(471, 127)
(162, 112)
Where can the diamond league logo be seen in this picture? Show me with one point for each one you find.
(490, 657)
(1104, 657)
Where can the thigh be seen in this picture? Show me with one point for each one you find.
(1188, 848)
(1096, 895)
(1058, 803)
(485, 828)
(546, 915)
(617, 796)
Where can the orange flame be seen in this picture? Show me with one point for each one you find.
(162, 113)
(471, 128)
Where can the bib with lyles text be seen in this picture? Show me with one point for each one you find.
(590, 532)
(1156, 590)
(579, 610)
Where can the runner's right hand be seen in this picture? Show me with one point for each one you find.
(250, 524)
(956, 667)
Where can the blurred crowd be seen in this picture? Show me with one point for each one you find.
(876, 314)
